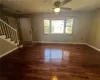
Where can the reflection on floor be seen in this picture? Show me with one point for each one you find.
(51, 62)
(55, 55)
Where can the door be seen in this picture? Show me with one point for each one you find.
(26, 30)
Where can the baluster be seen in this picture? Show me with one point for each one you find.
(5, 30)
(16, 38)
(12, 35)
(0, 29)
(8, 30)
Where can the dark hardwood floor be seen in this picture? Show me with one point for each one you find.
(51, 62)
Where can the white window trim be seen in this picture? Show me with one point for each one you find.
(64, 33)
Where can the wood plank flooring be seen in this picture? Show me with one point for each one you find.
(51, 62)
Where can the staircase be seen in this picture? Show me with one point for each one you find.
(8, 33)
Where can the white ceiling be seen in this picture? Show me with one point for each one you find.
(41, 6)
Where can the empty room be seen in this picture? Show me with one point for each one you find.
(49, 39)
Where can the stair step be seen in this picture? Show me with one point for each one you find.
(8, 39)
(12, 42)
(2, 36)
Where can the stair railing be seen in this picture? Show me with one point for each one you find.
(9, 31)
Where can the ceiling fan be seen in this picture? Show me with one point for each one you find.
(58, 5)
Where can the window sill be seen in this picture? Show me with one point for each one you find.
(58, 34)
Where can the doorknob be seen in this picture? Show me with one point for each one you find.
(30, 32)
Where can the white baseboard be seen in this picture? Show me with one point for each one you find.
(8, 52)
(68, 43)
(93, 47)
(58, 42)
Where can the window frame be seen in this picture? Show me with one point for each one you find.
(72, 25)
(64, 31)
(45, 26)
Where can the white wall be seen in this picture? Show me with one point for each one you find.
(94, 37)
(5, 46)
(12, 22)
(82, 22)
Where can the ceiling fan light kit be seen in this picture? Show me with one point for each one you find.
(58, 5)
(56, 10)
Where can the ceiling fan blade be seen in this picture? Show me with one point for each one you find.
(64, 2)
(68, 9)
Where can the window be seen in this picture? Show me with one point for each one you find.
(69, 24)
(47, 26)
(58, 26)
